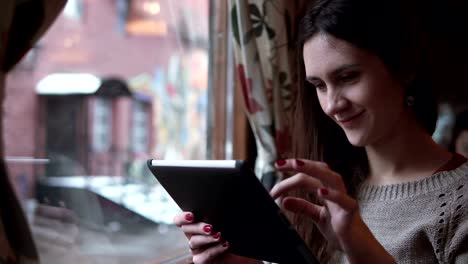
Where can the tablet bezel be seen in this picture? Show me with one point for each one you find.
(215, 191)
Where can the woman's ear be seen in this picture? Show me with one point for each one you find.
(408, 79)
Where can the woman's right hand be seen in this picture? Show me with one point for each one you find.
(206, 245)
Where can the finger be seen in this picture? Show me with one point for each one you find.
(298, 181)
(340, 198)
(197, 229)
(65, 228)
(210, 254)
(50, 247)
(47, 222)
(183, 218)
(59, 213)
(202, 241)
(304, 207)
(316, 169)
(52, 237)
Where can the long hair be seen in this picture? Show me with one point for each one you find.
(378, 27)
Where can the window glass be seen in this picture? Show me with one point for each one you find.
(140, 127)
(111, 85)
(102, 124)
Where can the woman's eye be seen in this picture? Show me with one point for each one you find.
(319, 86)
(348, 77)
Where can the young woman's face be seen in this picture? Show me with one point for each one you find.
(354, 88)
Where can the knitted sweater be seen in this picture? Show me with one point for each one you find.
(425, 221)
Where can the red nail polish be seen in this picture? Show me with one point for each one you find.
(189, 217)
(207, 229)
(323, 191)
(217, 235)
(225, 244)
(299, 162)
(280, 162)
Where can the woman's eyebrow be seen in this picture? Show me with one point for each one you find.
(312, 79)
(344, 68)
(335, 72)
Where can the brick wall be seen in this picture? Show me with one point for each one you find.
(93, 45)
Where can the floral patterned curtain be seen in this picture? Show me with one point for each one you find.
(264, 36)
(22, 22)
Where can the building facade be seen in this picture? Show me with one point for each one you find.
(77, 133)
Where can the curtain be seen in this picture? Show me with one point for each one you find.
(22, 22)
(264, 35)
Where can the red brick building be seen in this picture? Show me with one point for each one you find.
(115, 39)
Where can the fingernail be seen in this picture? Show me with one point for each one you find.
(217, 235)
(323, 191)
(189, 217)
(299, 162)
(280, 162)
(226, 244)
(207, 229)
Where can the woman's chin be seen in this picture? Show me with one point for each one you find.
(358, 144)
(357, 140)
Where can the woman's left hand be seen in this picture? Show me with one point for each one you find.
(338, 217)
(338, 213)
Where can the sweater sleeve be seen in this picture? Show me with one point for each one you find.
(458, 249)
(457, 244)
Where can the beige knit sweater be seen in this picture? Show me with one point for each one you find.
(421, 222)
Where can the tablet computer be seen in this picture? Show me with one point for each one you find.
(228, 195)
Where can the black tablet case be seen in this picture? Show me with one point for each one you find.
(235, 202)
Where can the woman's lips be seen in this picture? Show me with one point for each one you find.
(350, 120)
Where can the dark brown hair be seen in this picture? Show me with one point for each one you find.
(378, 27)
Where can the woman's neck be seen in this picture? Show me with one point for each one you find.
(407, 155)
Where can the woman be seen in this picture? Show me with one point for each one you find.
(383, 191)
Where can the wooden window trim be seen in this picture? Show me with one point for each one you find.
(222, 74)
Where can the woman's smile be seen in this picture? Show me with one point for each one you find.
(351, 121)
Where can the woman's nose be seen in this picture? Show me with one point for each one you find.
(336, 104)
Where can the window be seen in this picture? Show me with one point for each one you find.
(102, 124)
(112, 102)
(74, 10)
(140, 127)
(144, 18)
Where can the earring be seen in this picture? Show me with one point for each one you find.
(409, 100)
